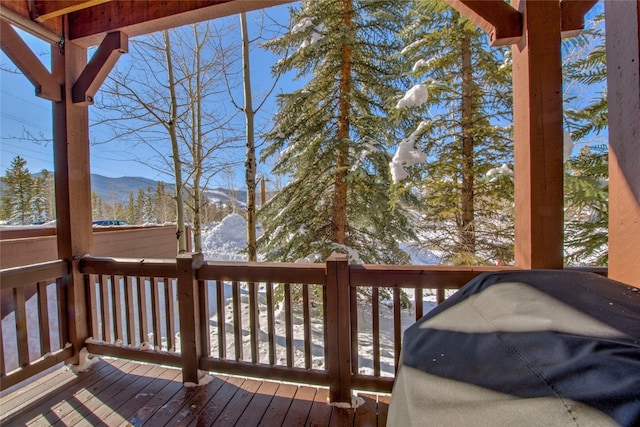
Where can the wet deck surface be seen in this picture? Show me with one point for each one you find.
(120, 393)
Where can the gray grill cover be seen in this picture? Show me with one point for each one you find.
(524, 348)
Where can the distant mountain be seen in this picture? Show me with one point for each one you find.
(113, 190)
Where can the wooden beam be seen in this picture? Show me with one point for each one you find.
(622, 21)
(47, 9)
(500, 20)
(136, 17)
(98, 68)
(572, 12)
(17, 13)
(19, 52)
(537, 119)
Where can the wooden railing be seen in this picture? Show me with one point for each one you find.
(284, 321)
(331, 324)
(33, 299)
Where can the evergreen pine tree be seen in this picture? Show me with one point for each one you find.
(17, 193)
(332, 136)
(464, 130)
(586, 178)
(39, 200)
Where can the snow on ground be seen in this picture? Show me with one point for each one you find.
(223, 242)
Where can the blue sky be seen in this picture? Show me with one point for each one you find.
(25, 117)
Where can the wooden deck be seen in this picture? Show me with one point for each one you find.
(121, 393)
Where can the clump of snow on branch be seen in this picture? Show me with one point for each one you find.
(567, 145)
(86, 360)
(302, 25)
(414, 97)
(422, 63)
(502, 170)
(407, 155)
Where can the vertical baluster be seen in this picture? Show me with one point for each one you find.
(397, 328)
(205, 330)
(63, 330)
(439, 295)
(155, 312)
(419, 304)
(253, 320)
(19, 305)
(43, 319)
(288, 324)
(222, 323)
(375, 329)
(237, 320)
(142, 310)
(169, 296)
(90, 283)
(104, 305)
(271, 330)
(353, 312)
(116, 300)
(3, 370)
(325, 327)
(306, 315)
(129, 303)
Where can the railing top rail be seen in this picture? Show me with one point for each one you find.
(421, 276)
(15, 277)
(304, 273)
(129, 266)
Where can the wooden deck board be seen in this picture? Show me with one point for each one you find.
(117, 392)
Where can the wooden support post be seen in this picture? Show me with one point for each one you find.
(189, 314)
(338, 329)
(73, 186)
(21, 55)
(537, 112)
(622, 20)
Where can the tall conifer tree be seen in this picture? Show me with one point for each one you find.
(332, 135)
(464, 129)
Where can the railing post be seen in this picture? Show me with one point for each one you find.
(339, 329)
(189, 314)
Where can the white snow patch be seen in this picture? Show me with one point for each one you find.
(502, 170)
(356, 401)
(86, 360)
(204, 380)
(227, 240)
(414, 97)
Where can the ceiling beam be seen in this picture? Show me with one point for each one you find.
(572, 13)
(17, 50)
(136, 17)
(98, 68)
(43, 10)
(500, 20)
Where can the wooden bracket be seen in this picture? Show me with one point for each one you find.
(499, 19)
(19, 52)
(99, 67)
(572, 14)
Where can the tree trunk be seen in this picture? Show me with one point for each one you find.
(197, 149)
(339, 220)
(177, 164)
(250, 161)
(467, 228)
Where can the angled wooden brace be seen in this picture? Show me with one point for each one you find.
(499, 19)
(22, 56)
(572, 14)
(99, 67)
